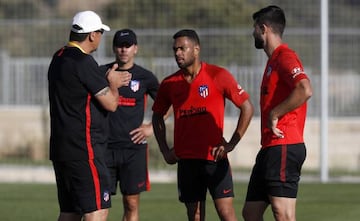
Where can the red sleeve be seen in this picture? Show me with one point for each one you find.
(231, 89)
(162, 101)
(291, 68)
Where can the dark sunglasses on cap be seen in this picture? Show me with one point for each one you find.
(100, 31)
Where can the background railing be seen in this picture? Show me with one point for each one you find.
(24, 83)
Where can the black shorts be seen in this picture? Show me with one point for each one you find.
(276, 172)
(196, 176)
(128, 167)
(83, 186)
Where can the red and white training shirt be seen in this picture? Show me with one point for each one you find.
(198, 108)
(282, 72)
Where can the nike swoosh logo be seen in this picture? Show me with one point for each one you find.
(141, 184)
(227, 191)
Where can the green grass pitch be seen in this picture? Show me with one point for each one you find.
(320, 202)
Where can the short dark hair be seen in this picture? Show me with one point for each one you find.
(79, 37)
(187, 33)
(272, 16)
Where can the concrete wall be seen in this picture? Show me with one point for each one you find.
(25, 131)
(343, 144)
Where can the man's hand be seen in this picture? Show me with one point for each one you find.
(140, 134)
(220, 151)
(118, 78)
(272, 124)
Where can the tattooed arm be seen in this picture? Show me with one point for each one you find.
(109, 96)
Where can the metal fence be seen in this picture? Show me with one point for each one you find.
(29, 36)
(24, 83)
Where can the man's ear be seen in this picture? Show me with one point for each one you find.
(263, 28)
(197, 49)
(91, 36)
(136, 48)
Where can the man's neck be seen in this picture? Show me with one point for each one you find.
(125, 66)
(192, 71)
(273, 43)
(80, 45)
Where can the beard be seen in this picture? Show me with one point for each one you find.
(259, 43)
(183, 64)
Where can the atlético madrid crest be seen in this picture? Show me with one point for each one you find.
(268, 72)
(106, 196)
(134, 85)
(204, 91)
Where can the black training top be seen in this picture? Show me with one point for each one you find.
(78, 122)
(132, 105)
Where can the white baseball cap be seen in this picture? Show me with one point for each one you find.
(86, 22)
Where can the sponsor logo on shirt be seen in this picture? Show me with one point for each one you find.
(241, 90)
(296, 71)
(125, 101)
(192, 111)
(134, 85)
(204, 91)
